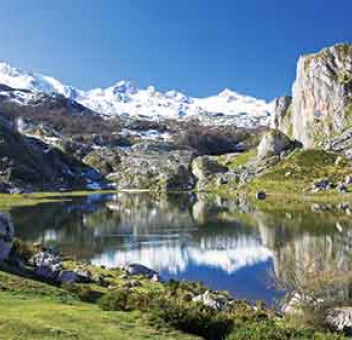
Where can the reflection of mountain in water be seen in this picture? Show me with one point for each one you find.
(178, 232)
(174, 256)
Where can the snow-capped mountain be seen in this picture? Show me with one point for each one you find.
(124, 99)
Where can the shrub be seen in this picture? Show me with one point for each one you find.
(127, 300)
(196, 288)
(115, 301)
(167, 311)
(190, 318)
(268, 331)
(83, 292)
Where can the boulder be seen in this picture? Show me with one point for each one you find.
(260, 195)
(84, 275)
(273, 143)
(156, 278)
(342, 188)
(211, 300)
(139, 269)
(46, 273)
(68, 277)
(45, 259)
(321, 185)
(348, 180)
(47, 264)
(297, 301)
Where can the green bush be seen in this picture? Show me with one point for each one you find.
(266, 331)
(127, 300)
(175, 287)
(190, 318)
(167, 311)
(83, 292)
(117, 300)
(271, 331)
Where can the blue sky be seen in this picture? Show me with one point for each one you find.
(196, 46)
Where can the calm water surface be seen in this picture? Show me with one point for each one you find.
(228, 244)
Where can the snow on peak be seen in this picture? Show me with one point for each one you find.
(226, 93)
(123, 86)
(123, 98)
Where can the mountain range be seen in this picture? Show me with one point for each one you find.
(123, 99)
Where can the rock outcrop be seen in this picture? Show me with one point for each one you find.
(273, 143)
(210, 174)
(105, 160)
(322, 96)
(156, 167)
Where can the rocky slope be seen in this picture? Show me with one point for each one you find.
(29, 164)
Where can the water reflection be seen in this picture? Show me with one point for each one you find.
(6, 235)
(228, 244)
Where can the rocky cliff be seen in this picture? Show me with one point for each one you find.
(321, 106)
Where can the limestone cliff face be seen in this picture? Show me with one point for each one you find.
(322, 96)
(282, 115)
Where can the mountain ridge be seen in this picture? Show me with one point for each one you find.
(123, 98)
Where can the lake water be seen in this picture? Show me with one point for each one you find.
(227, 244)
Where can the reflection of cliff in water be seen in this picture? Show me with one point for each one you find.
(6, 235)
(170, 233)
(314, 244)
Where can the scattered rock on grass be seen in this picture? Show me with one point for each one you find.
(260, 195)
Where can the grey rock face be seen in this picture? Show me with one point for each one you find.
(273, 143)
(159, 170)
(322, 95)
(205, 166)
(282, 115)
(104, 160)
(341, 143)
